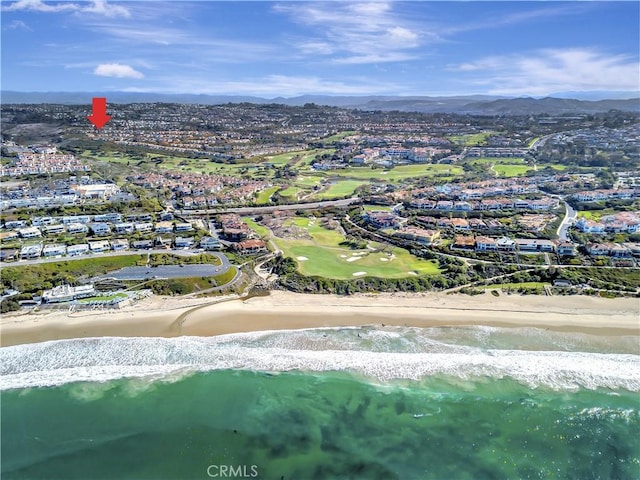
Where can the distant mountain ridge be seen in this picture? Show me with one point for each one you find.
(472, 104)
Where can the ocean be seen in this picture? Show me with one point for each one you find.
(339, 403)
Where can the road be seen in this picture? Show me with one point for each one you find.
(540, 142)
(165, 271)
(569, 217)
(271, 208)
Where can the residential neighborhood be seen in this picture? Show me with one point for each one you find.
(509, 191)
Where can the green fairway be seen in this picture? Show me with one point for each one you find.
(338, 136)
(291, 193)
(397, 173)
(322, 255)
(470, 140)
(284, 158)
(376, 208)
(265, 195)
(340, 189)
(309, 180)
(507, 170)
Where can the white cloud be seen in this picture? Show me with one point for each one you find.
(40, 6)
(102, 8)
(18, 25)
(355, 33)
(117, 70)
(554, 70)
(99, 7)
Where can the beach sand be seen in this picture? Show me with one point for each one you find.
(169, 317)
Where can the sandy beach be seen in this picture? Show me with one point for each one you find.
(169, 317)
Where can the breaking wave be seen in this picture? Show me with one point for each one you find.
(380, 354)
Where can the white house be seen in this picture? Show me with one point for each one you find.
(99, 246)
(30, 232)
(210, 243)
(100, 228)
(77, 228)
(126, 227)
(79, 249)
(54, 250)
(120, 244)
(184, 242)
(30, 251)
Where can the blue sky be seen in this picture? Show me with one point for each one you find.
(290, 48)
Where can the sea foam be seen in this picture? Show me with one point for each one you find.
(383, 356)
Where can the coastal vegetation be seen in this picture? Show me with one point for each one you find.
(43, 276)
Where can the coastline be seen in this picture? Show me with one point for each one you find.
(171, 317)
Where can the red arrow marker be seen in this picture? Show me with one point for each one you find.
(99, 116)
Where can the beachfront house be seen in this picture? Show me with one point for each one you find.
(29, 252)
(184, 242)
(119, 244)
(54, 250)
(99, 246)
(142, 244)
(79, 249)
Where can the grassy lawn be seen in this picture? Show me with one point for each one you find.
(323, 256)
(340, 189)
(597, 214)
(590, 214)
(284, 158)
(291, 192)
(377, 208)
(102, 298)
(471, 139)
(398, 173)
(309, 180)
(511, 170)
(311, 154)
(338, 136)
(225, 277)
(265, 195)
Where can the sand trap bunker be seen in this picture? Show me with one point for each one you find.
(413, 273)
(384, 259)
(343, 256)
(358, 274)
(302, 259)
(352, 259)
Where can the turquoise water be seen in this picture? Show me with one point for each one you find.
(404, 403)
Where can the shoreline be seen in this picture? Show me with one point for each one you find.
(171, 317)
